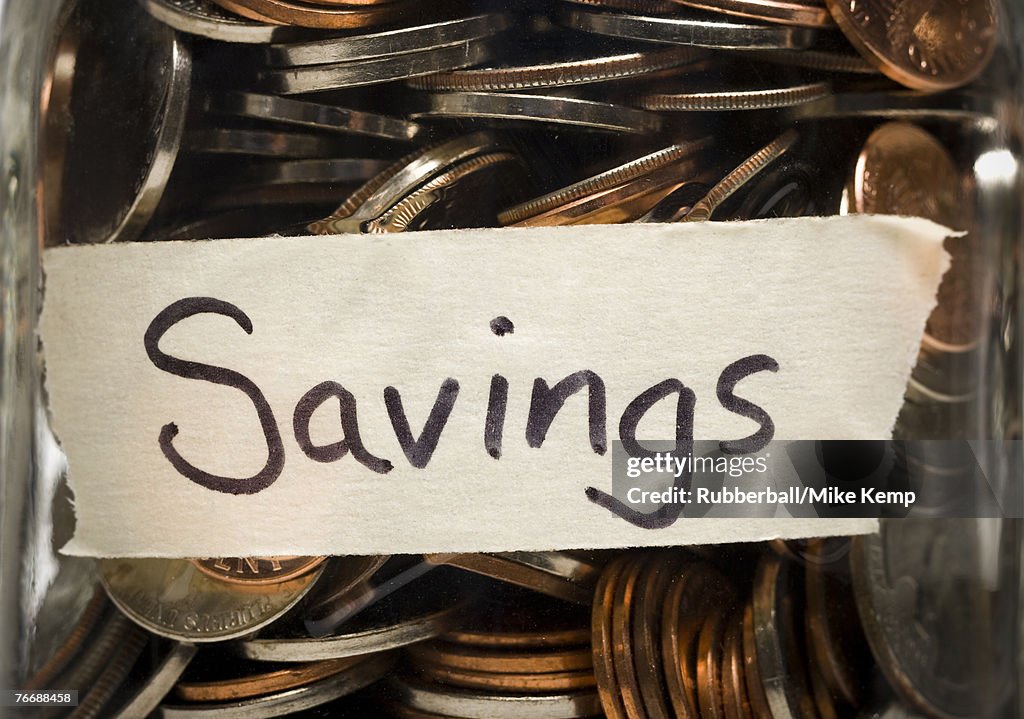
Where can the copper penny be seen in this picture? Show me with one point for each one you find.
(518, 682)
(923, 44)
(601, 627)
(709, 665)
(654, 583)
(807, 13)
(257, 570)
(622, 640)
(751, 669)
(500, 662)
(255, 685)
(284, 12)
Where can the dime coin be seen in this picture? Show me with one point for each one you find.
(173, 598)
(922, 44)
(717, 100)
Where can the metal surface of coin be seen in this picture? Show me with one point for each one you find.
(760, 98)
(603, 181)
(310, 114)
(922, 44)
(318, 78)
(292, 700)
(459, 703)
(399, 41)
(301, 172)
(364, 635)
(499, 662)
(639, 7)
(903, 170)
(964, 108)
(159, 683)
(710, 647)
(519, 682)
(204, 18)
(73, 643)
(172, 598)
(752, 668)
(556, 74)
(778, 648)
(807, 13)
(622, 637)
(550, 109)
(688, 31)
(822, 60)
(98, 693)
(257, 570)
(924, 614)
(129, 97)
(660, 571)
(324, 17)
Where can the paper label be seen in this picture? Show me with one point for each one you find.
(460, 390)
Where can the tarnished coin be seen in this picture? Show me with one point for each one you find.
(622, 636)
(173, 598)
(687, 31)
(760, 98)
(660, 571)
(925, 616)
(576, 71)
(204, 18)
(307, 14)
(903, 170)
(550, 109)
(257, 570)
(923, 44)
(310, 114)
(808, 13)
(241, 684)
(512, 682)
(402, 40)
(129, 97)
(603, 642)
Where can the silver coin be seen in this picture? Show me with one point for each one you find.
(310, 114)
(129, 98)
(292, 700)
(367, 634)
(565, 72)
(318, 78)
(203, 18)
(261, 142)
(417, 38)
(760, 98)
(924, 612)
(159, 683)
(688, 31)
(550, 109)
(444, 701)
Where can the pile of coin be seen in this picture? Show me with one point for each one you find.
(898, 623)
(195, 119)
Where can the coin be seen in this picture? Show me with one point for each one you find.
(204, 18)
(256, 683)
(823, 60)
(603, 641)
(298, 699)
(603, 181)
(310, 114)
(503, 662)
(129, 97)
(550, 109)
(73, 644)
(312, 15)
(402, 40)
(521, 682)
(969, 109)
(761, 98)
(744, 172)
(687, 31)
(775, 623)
(752, 668)
(555, 74)
(318, 78)
(224, 141)
(622, 637)
(445, 701)
(173, 598)
(903, 170)
(923, 613)
(98, 693)
(556, 574)
(158, 683)
(303, 172)
(648, 663)
(922, 44)
(807, 13)
(257, 570)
